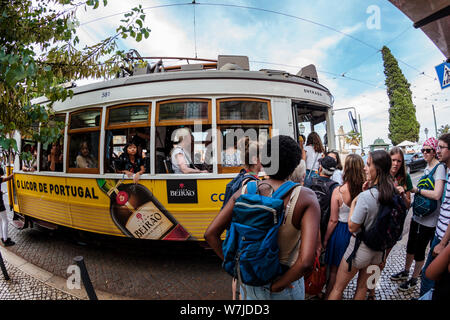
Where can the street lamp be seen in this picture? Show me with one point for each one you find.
(301, 128)
(426, 133)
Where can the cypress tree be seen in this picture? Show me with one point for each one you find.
(403, 124)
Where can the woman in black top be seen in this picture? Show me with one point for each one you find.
(130, 162)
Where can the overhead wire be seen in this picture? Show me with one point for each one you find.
(194, 3)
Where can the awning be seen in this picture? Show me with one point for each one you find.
(433, 17)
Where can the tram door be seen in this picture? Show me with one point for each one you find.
(310, 117)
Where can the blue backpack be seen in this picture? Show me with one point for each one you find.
(234, 185)
(423, 206)
(251, 248)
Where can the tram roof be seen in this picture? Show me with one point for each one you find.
(181, 74)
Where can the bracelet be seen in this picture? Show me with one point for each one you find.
(419, 190)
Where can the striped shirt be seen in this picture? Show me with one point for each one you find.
(444, 216)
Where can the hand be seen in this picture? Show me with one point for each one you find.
(366, 185)
(204, 171)
(136, 177)
(437, 249)
(401, 190)
(414, 190)
(276, 288)
(319, 250)
(128, 173)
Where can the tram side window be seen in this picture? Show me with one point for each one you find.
(28, 155)
(84, 138)
(127, 124)
(183, 139)
(240, 119)
(52, 152)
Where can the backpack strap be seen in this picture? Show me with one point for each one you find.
(445, 185)
(284, 189)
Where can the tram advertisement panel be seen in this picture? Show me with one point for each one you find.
(120, 207)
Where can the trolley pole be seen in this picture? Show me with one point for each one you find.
(435, 126)
(79, 260)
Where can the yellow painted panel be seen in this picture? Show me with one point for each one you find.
(80, 202)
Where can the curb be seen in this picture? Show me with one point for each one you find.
(52, 280)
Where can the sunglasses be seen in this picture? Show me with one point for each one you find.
(426, 150)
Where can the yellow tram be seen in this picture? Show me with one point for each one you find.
(211, 99)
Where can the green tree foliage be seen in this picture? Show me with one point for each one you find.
(353, 137)
(40, 50)
(443, 129)
(403, 124)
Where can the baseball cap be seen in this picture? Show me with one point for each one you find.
(328, 163)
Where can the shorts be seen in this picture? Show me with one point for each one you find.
(364, 255)
(418, 239)
(297, 292)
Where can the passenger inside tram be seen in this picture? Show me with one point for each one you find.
(85, 159)
(130, 162)
(29, 154)
(55, 157)
(181, 154)
(231, 156)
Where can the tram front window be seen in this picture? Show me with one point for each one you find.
(309, 119)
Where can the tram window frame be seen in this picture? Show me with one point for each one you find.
(225, 124)
(43, 153)
(77, 131)
(126, 126)
(207, 121)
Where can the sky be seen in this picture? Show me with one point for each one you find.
(341, 38)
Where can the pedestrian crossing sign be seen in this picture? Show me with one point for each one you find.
(443, 72)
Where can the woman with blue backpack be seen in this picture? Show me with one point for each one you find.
(277, 216)
(426, 208)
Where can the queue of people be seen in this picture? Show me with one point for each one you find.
(349, 244)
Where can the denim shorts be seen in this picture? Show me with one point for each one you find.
(297, 292)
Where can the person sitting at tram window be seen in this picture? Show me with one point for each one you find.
(55, 157)
(29, 165)
(85, 159)
(131, 162)
(231, 156)
(180, 154)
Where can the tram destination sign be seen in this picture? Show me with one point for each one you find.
(443, 73)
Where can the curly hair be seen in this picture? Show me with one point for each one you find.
(289, 155)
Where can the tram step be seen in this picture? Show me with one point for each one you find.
(19, 224)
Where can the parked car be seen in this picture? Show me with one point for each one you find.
(415, 162)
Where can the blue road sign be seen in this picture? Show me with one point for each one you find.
(443, 72)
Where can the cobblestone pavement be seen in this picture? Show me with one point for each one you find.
(22, 286)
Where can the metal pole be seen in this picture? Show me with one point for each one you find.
(79, 260)
(2, 265)
(360, 132)
(435, 126)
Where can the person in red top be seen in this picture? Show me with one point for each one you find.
(3, 216)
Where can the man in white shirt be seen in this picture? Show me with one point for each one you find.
(442, 235)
